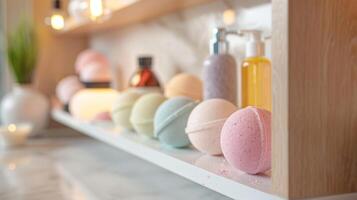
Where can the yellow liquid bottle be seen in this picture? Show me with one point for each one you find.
(256, 82)
(256, 73)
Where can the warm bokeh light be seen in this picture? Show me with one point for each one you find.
(96, 8)
(11, 128)
(88, 103)
(229, 17)
(57, 22)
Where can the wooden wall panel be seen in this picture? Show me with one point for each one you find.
(280, 128)
(322, 98)
(57, 54)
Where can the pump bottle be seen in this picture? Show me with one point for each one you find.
(256, 73)
(220, 69)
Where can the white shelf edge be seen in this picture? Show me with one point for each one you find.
(185, 169)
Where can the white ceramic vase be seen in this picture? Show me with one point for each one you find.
(25, 105)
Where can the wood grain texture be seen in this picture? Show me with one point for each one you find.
(280, 153)
(139, 11)
(56, 55)
(322, 99)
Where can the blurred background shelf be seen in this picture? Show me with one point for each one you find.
(208, 171)
(126, 13)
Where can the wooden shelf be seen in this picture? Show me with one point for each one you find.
(135, 11)
(211, 172)
(313, 82)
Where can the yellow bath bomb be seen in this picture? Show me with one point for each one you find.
(88, 103)
(143, 113)
(122, 108)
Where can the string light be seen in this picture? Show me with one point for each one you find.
(56, 20)
(96, 9)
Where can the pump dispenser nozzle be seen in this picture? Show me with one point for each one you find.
(255, 45)
(219, 43)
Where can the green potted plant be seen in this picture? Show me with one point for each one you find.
(23, 103)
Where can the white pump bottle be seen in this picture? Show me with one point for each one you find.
(220, 69)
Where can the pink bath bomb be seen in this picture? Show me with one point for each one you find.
(246, 140)
(94, 72)
(67, 87)
(205, 124)
(90, 56)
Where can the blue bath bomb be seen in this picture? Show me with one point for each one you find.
(171, 119)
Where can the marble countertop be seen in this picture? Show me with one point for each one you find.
(64, 165)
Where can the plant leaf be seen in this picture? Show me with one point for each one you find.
(22, 52)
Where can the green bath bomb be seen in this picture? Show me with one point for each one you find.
(171, 119)
(122, 108)
(143, 113)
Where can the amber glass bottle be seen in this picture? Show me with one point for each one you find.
(144, 76)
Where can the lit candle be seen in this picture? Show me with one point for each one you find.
(15, 134)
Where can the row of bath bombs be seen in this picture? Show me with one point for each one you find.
(212, 126)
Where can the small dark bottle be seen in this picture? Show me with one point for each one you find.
(144, 76)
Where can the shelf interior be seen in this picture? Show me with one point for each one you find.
(210, 171)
